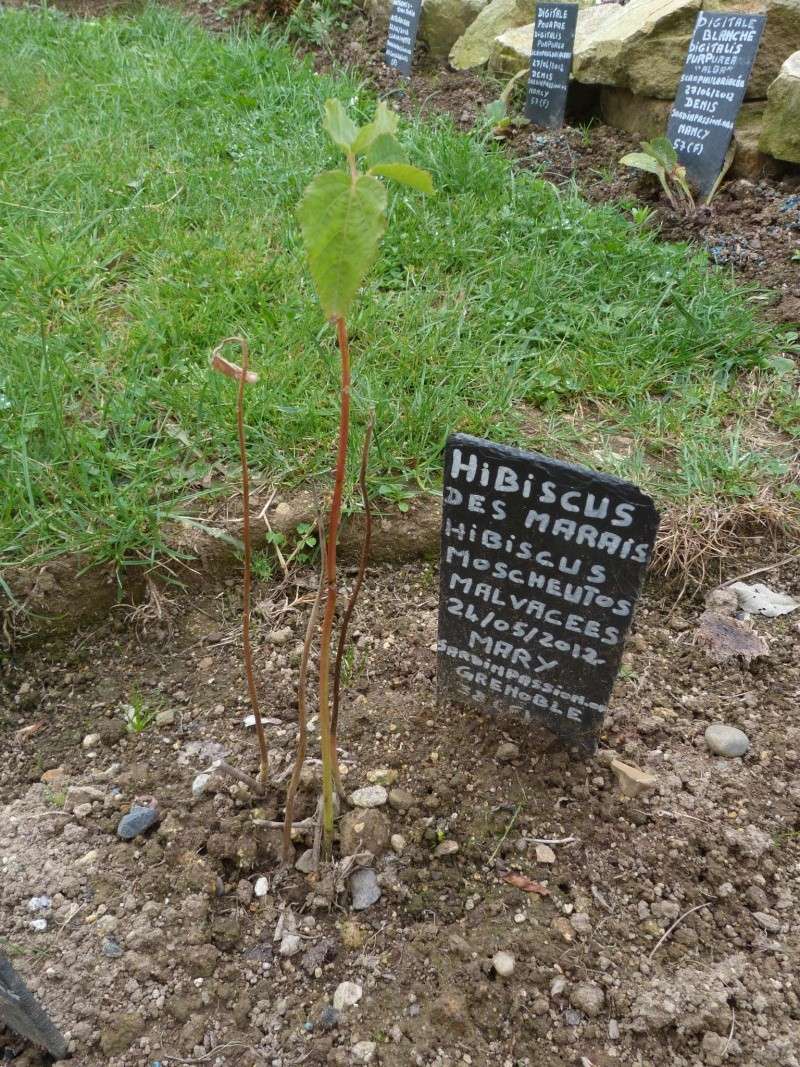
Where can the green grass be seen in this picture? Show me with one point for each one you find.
(148, 176)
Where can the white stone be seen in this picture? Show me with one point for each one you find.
(347, 995)
(363, 1051)
(200, 782)
(91, 741)
(290, 944)
(370, 796)
(261, 887)
(545, 854)
(503, 963)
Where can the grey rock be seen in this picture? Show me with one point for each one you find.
(306, 864)
(767, 922)
(138, 820)
(573, 1017)
(364, 888)
(78, 795)
(727, 740)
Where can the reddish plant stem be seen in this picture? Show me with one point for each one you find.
(302, 689)
(362, 566)
(331, 587)
(248, 567)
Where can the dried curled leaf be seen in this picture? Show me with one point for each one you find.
(231, 369)
(527, 885)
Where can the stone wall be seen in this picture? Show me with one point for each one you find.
(633, 56)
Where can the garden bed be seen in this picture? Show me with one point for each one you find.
(157, 951)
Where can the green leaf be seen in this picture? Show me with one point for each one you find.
(662, 149)
(342, 222)
(781, 365)
(385, 149)
(341, 129)
(643, 161)
(405, 174)
(385, 121)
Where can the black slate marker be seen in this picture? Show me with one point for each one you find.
(542, 563)
(402, 36)
(551, 63)
(711, 91)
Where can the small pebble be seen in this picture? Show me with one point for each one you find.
(165, 718)
(91, 741)
(261, 887)
(39, 903)
(328, 1018)
(398, 843)
(200, 783)
(446, 848)
(545, 854)
(767, 922)
(306, 863)
(111, 949)
(138, 820)
(347, 994)
(507, 752)
(364, 888)
(40, 925)
(503, 963)
(727, 740)
(588, 998)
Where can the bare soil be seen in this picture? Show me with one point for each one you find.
(157, 951)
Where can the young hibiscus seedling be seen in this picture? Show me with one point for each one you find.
(343, 218)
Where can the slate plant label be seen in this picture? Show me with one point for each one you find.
(711, 90)
(402, 35)
(542, 563)
(551, 63)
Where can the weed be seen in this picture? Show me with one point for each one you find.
(55, 798)
(138, 714)
(642, 216)
(660, 158)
